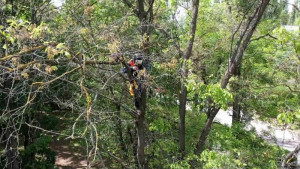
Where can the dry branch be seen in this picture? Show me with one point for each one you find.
(23, 52)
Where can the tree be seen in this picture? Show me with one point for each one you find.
(183, 93)
(233, 65)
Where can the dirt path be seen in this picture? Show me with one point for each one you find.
(68, 156)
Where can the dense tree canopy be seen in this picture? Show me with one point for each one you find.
(66, 74)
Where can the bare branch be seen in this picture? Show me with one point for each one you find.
(47, 131)
(129, 4)
(260, 37)
(289, 157)
(150, 6)
(23, 52)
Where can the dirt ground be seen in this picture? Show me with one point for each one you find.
(68, 156)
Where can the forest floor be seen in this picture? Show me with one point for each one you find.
(69, 156)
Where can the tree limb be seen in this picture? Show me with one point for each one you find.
(289, 157)
(262, 36)
(150, 6)
(129, 4)
(23, 52)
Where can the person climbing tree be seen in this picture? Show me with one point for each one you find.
(138, 70)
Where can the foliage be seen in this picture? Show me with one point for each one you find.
(57, 76)
(214, 92)
(43, 156)
(237, 148)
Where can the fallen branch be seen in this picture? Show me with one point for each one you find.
(289, 157)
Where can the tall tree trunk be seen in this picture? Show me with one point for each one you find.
(146, 19)
(234, 64)
(183, 90)
(10, 131)
(12, 153)
(200, 145)
(236, 108)
(133, 141)
(182, 112)
(119, 131)
(141, 129)
(28, 137)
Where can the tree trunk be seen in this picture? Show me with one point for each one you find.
(10, 131)
(237, 98)
(133, 142)
(201, 143)
(182, 112)
(236, 109)
(119, 132)
(183, 90)
(141, 129)
(28, 137)
(12, 153)
(146, 19)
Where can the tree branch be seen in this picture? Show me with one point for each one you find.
(262, 36)
(23, 52)
(129, 4)
(150, 6)
(289, 157)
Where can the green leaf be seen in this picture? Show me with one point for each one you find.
(54, 68)
(67, 54)
(60, 46)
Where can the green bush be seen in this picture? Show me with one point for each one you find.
(44, 157)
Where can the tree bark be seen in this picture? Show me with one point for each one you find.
(28, 137)
(141, 130)
(236, 109)
(200, 145)
(237, 98)
(182, 112)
